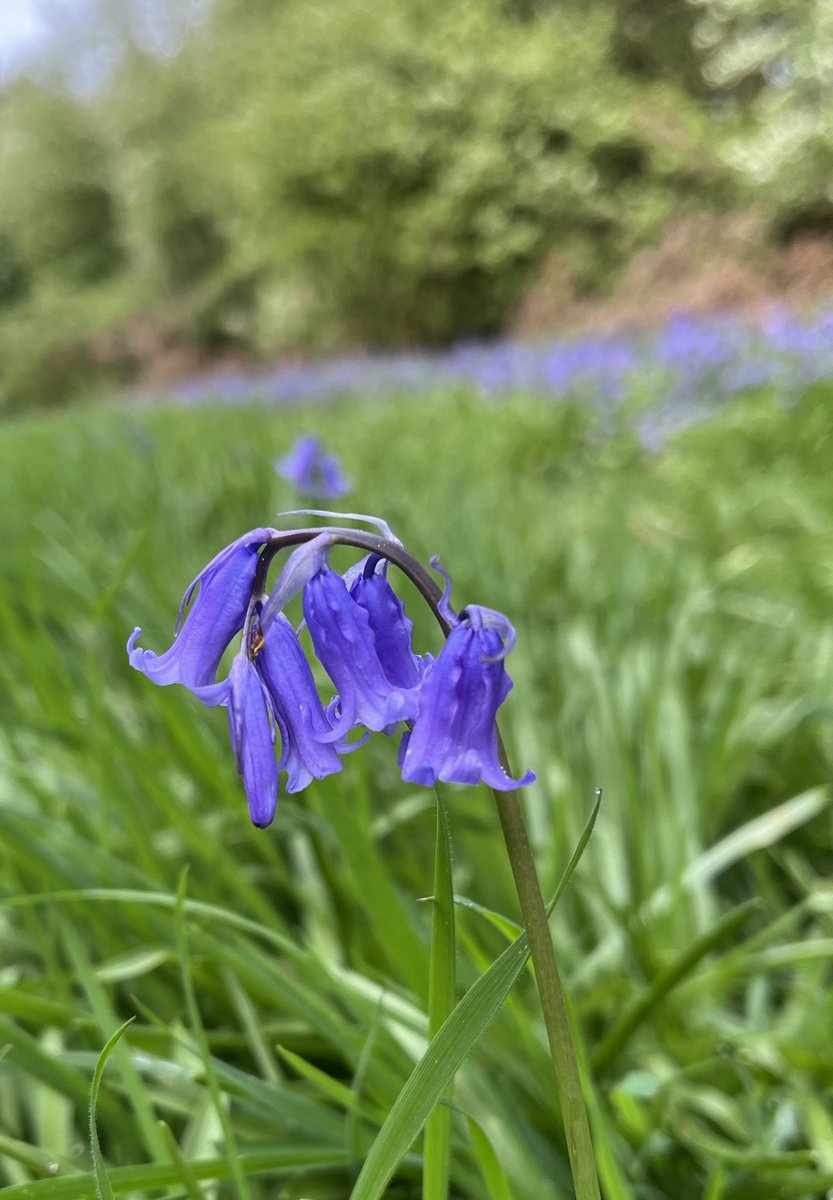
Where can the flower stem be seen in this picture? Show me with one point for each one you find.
(553, 1000)
(441, 995)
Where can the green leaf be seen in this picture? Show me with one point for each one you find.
(189, 1179)
(673, 975)
(510, 929)
(103, 1188)
(124, 1180)
(449, 1050)
(240, 1181)
(489, 1164)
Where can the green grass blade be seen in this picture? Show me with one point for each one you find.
(197, 908)
(127, 1180)
(441, 996)
(106, 1018)
(716, 1188)
(798, 1185)
(241, 1183)
(575, 857)
(759, 833)
(431, 1076)
(674, 974)
(103, 1187)
(510, 929)
(189, 1179)
(339, 1093)
(28, 1056)
(392, 923)
(359, 1080)
(449, 1050)
(493, 1174)
(37, 1159)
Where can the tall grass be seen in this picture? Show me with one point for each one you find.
(674, 647)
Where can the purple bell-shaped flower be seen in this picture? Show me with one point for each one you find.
(218, 613)
(312, 471)
(454, 737)
(348, 647)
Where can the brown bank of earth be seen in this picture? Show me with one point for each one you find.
(700, 265)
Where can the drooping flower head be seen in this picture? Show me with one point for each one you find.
(312, 471)
(362, 637)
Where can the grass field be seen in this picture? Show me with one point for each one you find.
(675, 647)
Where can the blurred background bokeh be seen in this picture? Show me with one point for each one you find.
(184, 182)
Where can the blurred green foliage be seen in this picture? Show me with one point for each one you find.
(778, 54)
(428, 155)
(298, 177)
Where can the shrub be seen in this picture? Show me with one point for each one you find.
(417, 159)
(775, 57)
(58, 209)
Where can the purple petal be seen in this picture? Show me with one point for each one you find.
(389, 624)
(304, 562)
(217, 614)
(344, 642)
(253, 739)
(307, 751)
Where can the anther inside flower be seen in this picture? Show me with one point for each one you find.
(445, 709)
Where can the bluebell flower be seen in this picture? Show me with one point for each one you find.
(389, 624)
(362, 636)
(218, 613)
(347, 646)
(253, 738)
(454, 737)
(312, 471)
(307, 735)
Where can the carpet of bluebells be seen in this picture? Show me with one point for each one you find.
(692, 364)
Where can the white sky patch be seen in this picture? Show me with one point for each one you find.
(23, 32)
(89, 35)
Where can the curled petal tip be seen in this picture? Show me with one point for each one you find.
(508, 784)
(480, 617)
(444, 606)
